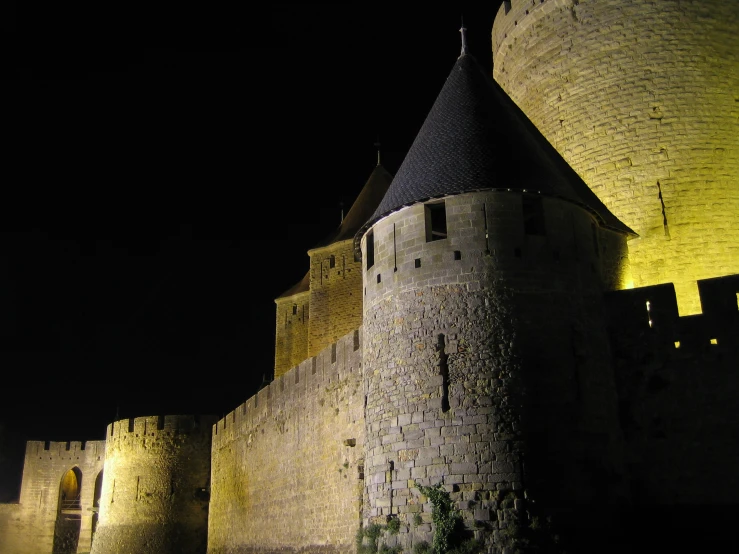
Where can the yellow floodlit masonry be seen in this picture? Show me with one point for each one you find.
(642, 100)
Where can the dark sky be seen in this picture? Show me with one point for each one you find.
(164, 174)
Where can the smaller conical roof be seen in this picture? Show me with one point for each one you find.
(476, 138)
(302, 286)
(364, 206)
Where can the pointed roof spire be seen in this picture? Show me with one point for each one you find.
(463, 31)
(476, 138)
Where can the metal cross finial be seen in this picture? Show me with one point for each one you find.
(377, 145)
(463, 30)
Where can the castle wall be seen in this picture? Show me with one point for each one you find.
(30, 526)
(291, 336)
(486, 362)
(155, 491)
(678, 384)
(335, 294)
(287, 465)
(16, 533)
(640, 99)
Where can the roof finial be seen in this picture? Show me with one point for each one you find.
(377, 145)
(463, 30)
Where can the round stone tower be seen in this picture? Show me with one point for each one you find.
(485, 355)
(156, 482)
(641, 100)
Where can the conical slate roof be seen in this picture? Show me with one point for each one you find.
(364, 206)
(476, 138)
(301, 286)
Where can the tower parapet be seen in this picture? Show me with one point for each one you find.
(155, 492)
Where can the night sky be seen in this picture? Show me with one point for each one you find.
(163, 176)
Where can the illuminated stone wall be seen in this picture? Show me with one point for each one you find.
(287, 464)
(484, 353)
(29, 526)
(291, 331)
(641, 100)
(154, 496)
(335, 294)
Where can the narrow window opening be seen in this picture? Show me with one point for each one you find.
(677, 344)
(356, 340)
(332, 262)
(714, 341)
(370, 249)
(333, 353)
(313, 366)
(417, 262)
(457, 255)
(444, 371)
(435, 221)
(130, 425)
(297, 375)
(379, 277)
(160, 422)
(295, 309)
(533, 216)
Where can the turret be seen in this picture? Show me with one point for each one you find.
(156, 485)
(485, 355)
(640, 99)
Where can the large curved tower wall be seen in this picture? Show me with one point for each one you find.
(156, 486)
(641, 100)
(474, 347)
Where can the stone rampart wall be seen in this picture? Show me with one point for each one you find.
(678, 380)
(288, 463)
(44, 467)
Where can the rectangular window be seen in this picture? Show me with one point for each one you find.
(435, 215)
(533, 216)
(370, 249)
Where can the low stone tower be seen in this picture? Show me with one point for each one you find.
(156, 483)
(641, 100)
(485, 356)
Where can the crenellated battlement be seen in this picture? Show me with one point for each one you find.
(69, 450)
(645, 320)
(148, 429)
(330, 366)
(514, 14)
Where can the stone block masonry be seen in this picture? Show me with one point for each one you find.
(30, 526)
(641, 100)
(155, 492)
(287, 472)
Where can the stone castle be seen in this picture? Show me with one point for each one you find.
(538, 312)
